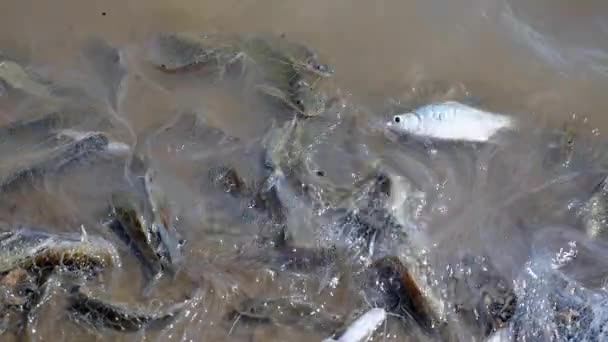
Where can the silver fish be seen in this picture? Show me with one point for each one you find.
(451, 121)
(362, 328)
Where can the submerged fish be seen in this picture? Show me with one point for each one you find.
(55, 160)
(165, 237)
(30, 248)
(38, 124)
(292, 170)
(134, 229)
(451, 121)
(107, 63)
(402, 295)
(144, 223)
(279, 144)
(176, 51)
(98, 313)
(287, 257)
(17, 77)
(276, 67)
(362, 328)
(287, 312)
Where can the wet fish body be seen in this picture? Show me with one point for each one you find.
(129, 224)
(283, 70)
(286, 312)
(106, 61)
(27, 248)
(39, 125)
(58, 159)
(285, 76)
(297, 259)
(403, 295)
(451, 121)
(176, 52)
(144, 223)
(165, 237)
(101, 314)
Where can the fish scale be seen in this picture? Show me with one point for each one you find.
(451, 121)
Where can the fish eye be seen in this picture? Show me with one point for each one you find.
(397, 119)
(320, 173)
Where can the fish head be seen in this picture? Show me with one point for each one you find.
(407, 122)
(304, 58)
(312, 64)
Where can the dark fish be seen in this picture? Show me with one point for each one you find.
(402, 295)
(283, 70)
(41, 125)
(144, 223)
(129, 224)
(179, 52)
(280, 74)
(286, 257)
(35, 249)
(57, 160)
(99, 314)
(285, 312)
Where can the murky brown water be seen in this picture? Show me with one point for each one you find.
(543, 62)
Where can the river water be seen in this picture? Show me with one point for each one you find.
(544, 62)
